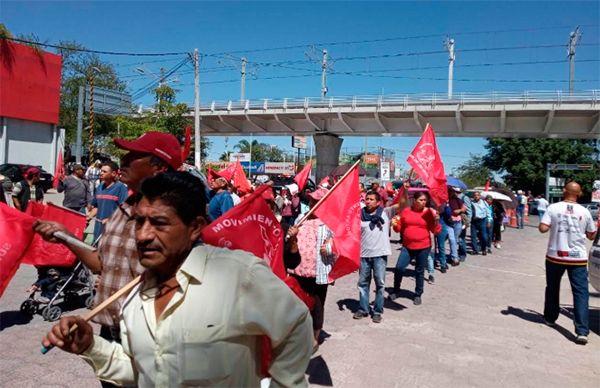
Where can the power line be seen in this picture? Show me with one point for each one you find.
(389, 39)
(99, 51)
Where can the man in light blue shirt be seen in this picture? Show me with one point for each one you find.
(478, 224)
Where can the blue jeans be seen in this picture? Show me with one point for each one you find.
(376, 266)
(454, 230)
(541, 214)
(462, 244)
(478, 226)
(441, 243)
(520, 217)
(578, 276)
(420, 256)
(489, 228)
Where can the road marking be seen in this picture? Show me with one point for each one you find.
(503, 271)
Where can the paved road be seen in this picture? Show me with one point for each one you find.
(479, 326)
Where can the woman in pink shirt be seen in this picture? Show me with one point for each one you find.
(415, 226)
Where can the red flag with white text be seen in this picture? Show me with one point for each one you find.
(252, 227)
(302, 177)
(426, 161)
(340, 211)
(42, 252)
(16, 233)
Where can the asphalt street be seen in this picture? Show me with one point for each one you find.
(480, 325)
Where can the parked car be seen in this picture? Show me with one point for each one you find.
(16, 172)
(593, 208)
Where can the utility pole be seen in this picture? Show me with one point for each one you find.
(91, 148)
(324, 68)
(243, 83)
(197, 153)
(79, 125)
(573, 40)
(449, 43)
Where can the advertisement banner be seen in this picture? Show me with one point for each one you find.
(241, 156)
(254, 167)
(385, 172)
(371, 159)
(299, 142)
(282, 168)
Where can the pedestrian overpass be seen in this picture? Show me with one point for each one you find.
(542, 114)
(496, 114)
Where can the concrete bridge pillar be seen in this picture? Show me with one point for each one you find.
(328, 148)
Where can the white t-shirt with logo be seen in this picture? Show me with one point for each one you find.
(568, 223)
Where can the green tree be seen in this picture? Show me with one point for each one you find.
(522, 162)
(473, 172)
(260, 151)
(167, 116)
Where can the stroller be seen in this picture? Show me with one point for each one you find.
(71, 285)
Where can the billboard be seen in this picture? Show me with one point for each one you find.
(30, 83)
(299, 142)
(241, 156)
(282, 168)
(371, 159)
(385, 172)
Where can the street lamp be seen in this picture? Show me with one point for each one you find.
(91, 145)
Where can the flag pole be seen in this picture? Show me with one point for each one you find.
(98, 309)
(312, 210)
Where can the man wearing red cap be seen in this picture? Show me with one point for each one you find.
(28, 189)
(116, 259)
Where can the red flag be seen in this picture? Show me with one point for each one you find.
(389, 188)
(340, 211)
(187, 145)
(243, 227)
(399, 195)
(240, 181)
(426, 161)
(16, 232)
(302, 177)
(211, 174)
(246, 224)
(487, 185)
(59, 172)
(227, 172)
(41, 252)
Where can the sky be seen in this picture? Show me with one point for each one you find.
(404, 52)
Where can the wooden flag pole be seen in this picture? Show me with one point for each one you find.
(98, 309)
(312, 210)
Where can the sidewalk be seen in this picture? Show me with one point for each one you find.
(479, 326)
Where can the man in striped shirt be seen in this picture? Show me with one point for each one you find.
(569, 224)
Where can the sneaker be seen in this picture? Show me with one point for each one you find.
(43, 299)
(581, 340)
(430, 279)
(498, 246)
(444, 270)
(360, 315)
(377, 318)
(417, 301)
(484, 253)
(455, 262)
(393, 296)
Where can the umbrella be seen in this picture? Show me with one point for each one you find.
(341, 170)
(496, 195)
(455, 182)
(513, 199)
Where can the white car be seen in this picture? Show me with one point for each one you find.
(594, 263)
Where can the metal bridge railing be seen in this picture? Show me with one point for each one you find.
(464, 98)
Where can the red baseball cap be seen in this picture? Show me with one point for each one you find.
(162, 145)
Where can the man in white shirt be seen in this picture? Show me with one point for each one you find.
(569, 224)
(542, 206)
(198, 316)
